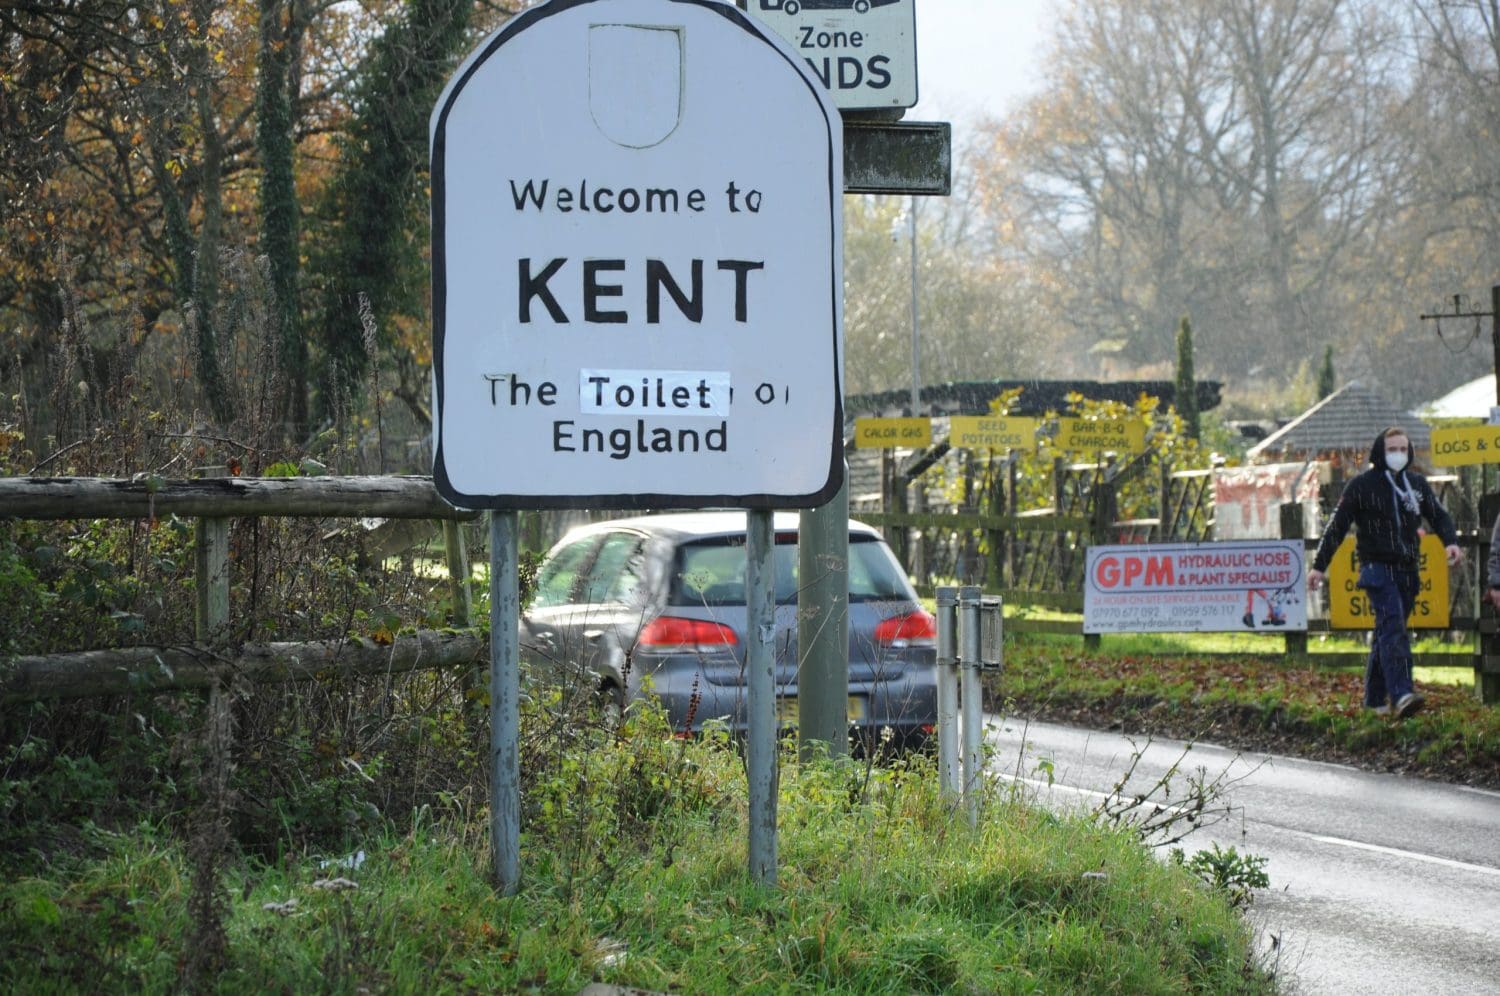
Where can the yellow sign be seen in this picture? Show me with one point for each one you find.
(1101, 434)
(1470, 444)
(977, 432)
(1349, 607)
(885, 433)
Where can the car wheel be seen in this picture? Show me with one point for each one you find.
(610, 703)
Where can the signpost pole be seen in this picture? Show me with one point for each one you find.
(823, 626)
(970, 695)
(760, 747)
(947, 692)
(916, 348)
(505, 695)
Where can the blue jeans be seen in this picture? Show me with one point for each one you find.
(1393, 592)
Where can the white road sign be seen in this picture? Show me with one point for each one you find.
(864, 51)
(637, 264)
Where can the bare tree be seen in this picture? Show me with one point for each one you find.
(1225, 159)
(976, 317)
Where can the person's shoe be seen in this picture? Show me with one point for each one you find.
(1248, 620)
(1409, 705)
(1380, 710)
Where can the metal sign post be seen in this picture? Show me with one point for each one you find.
(505, 708)
(823, 626)
(760, 736)
(971, 697)
(947, 692)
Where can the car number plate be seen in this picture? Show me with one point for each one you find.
(786, 709)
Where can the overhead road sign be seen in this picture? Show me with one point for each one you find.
(637, 278)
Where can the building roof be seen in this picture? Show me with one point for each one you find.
(1471, 400)
(1346, 420)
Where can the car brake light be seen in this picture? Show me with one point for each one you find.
(666, 632)
(915, 629)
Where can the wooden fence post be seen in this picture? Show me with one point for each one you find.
(1292, 527)
(1059, 499)
(211, 558)
(895, 501)
(1104, 506)
(1487, 661)
(1013, 509)
(457, 554)
(997, 540)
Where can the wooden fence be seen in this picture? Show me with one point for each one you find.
(212, 503)
(1055, 538)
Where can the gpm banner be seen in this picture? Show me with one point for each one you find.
(1195, 587)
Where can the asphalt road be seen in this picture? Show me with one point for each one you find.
(1379, 883)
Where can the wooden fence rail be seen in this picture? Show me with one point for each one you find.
(213, 502)
(144, 497)
(141, 670)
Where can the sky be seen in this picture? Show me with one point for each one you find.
(977, 57)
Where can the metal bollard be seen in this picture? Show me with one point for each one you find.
(971, 697)
(947, 693)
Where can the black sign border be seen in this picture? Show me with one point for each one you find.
(640, 500)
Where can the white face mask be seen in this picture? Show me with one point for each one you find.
(1395, 460)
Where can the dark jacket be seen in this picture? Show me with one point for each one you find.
(1494, 566)
(1386, 532)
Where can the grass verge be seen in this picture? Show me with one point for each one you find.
(1252, 702)
(634, 874)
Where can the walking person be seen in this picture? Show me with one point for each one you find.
(1493, 594)
(1386, 504)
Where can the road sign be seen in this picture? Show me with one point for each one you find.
(864, 51)
(1004, 432)
(1349, 607)
(1467, 445)
(1100, 435)
(889, 433)
(637, 264)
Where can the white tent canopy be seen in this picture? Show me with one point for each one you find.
(1471, 400)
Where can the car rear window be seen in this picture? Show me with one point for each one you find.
(712, 572)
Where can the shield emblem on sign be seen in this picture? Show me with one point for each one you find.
(635, 82)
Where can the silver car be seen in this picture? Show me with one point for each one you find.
(656, 605)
